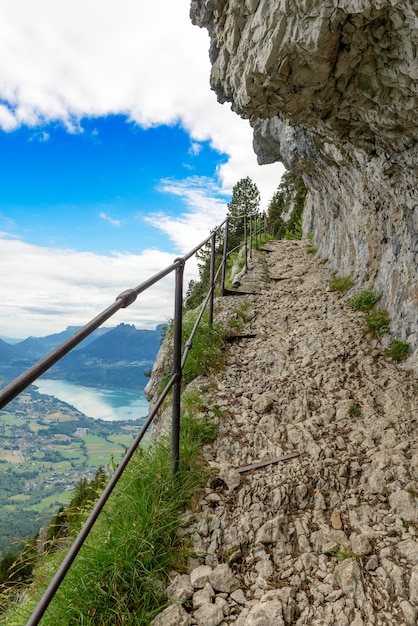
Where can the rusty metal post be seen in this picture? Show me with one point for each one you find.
(212, 276)
(224, 256)
(178, 325)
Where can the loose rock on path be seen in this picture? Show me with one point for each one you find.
(329, 536)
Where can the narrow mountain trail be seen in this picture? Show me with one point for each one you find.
(329, 535)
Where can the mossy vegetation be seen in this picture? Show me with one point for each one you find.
(354, 409)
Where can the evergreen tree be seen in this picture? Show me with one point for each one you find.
(291, 193)
(245, 201)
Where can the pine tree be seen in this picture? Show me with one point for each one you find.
(245, 201)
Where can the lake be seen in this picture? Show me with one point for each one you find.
(97, 402)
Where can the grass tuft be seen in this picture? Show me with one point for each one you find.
(354, 409)
(377, 322)
(399, 350)
(365, 300)
(311, 250)
(341, 283)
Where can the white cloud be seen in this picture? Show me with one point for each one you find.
(64, 60)
(195, 148)
(50, 289)
(207, 208)
(104, 216)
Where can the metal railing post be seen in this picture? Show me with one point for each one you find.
(178, 326)
(251, 236)
(212, 276)
(245, 243)
(224, 256)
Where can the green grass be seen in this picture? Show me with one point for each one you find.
(341, 553)
(261, 240)
(205, 356)
(341, 283)
(120, 573)
(399, 350)
(237, 259)
(364, 300)
(311, 250)
(377, 322)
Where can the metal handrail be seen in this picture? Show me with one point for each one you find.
(123, 300)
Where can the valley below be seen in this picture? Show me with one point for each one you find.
(47, 444)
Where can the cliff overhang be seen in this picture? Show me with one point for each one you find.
(331, 90)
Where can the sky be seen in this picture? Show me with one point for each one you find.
(115, 157)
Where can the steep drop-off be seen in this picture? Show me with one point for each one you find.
(330, 88)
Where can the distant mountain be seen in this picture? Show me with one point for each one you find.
(37, 347)
(10, 340)
(7, 352)
(116, 357)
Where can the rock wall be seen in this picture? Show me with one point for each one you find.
(330, 88)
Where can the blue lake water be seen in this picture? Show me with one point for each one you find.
(100, 403)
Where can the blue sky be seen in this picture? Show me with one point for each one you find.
(115, 157)
(92, 190)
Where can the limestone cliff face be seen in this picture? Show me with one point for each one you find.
(330, 88)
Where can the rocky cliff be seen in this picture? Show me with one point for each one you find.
(330, 88)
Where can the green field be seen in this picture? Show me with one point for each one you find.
(46, 446)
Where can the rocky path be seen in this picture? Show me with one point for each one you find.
(329, 536)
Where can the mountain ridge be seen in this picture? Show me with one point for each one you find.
(116, 357)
